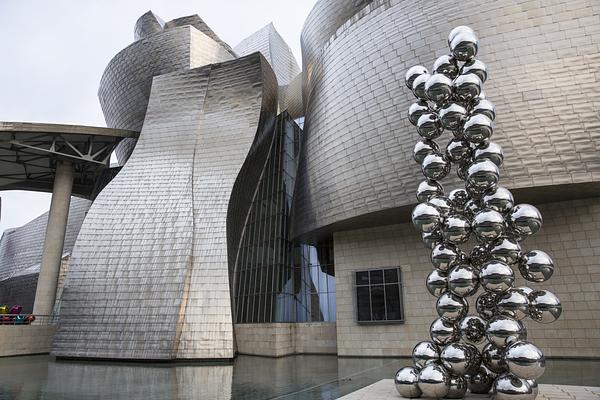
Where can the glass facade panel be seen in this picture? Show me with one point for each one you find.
(379, 295)
(275, 279)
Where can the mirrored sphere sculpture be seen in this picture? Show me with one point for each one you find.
(536, 266)
(472, 329)
(456, 229)
(481, 381)
(496, 276)
(490, 151)
(525, 360)
(434, 381)
(457, 389)
(423, 148)
(493, 358)
(435, 166)
(424, 353)
(514, 304)
(499, 199)
(429, 126)
(506, 250)
(525, 219)
(544, 306)
(452, 115)
(418, 86)
(417, 109)
(443, 332)
(426, 217)
(463, 280)
(510, 387)
(478, 128)
(437, 283)
(488, 225)
(446, 65)
(446, 256)
(407, 382)
(451, 307)
(427, 189)
(413, 73)
(503, 331)
(443, 204)
(431, 239)
(476, 67)
(486, 305)
(438, 88)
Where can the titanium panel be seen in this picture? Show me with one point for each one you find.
(357, 151)
(146, 25)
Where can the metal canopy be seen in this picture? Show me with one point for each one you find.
(29, 151)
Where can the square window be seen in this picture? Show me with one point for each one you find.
(379, 296)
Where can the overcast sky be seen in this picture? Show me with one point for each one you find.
(53, 53)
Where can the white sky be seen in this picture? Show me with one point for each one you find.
(53, 53)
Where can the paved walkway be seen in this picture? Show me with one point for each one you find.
(385, 390)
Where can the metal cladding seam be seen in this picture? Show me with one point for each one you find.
(357, 162)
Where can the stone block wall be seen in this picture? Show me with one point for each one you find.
(17, 340)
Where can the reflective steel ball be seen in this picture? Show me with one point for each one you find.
(525, 360)
(544, 306)
(493, 358)
(413, 73)
(490, 151)
(458, 198)
(486, 305)
(431, 239)
(418, 86)
(527, 291)
(438, 88)
(456, 229)
(457, 30)
(481, 381)
(452, 115)
(496, 276)
(514, 304)
(483, 175)
(445, 256)
(426, 217)
(443, 332)
(434, 381)
(467, 87)
(464, 45)
(429, 188)
(506, 250)
(429, 126)
(478, 128)
(472, 207)
(451, 307)
(435, 166)
(458, 388)
(417, 109)
(460, 358)
(499, 199)
(475, 67)
(472, 329)
(407, 382)
(503, 331)
(488, 225)
(525, 219)
(484, 107)
(423, 148)
(443, 204)
(479, 255)
(509, 387)
(437, 283)
(424, 353)
(446, 65)
(463, 169)
(458, 150)
(536, 266)
(463, 280)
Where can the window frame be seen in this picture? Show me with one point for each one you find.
(384, 284)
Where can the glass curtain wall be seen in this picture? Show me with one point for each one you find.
(276, 280)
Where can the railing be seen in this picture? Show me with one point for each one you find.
(27, 319)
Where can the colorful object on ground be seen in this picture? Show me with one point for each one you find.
(484, 217)
(16, 309)
(4, 310)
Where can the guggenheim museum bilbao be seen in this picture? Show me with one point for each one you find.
(263, 208)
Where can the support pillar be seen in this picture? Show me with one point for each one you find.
(54, 241)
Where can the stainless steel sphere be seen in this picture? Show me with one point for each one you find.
(506, 250)
(496, 276)
(499, 199)
(536, 266)
(509, 387)
(451, 307)
(475, 192)
(423, 148)
(435, 166)
(534, 386)
(466, 87)
(413, 73)
(446, 256)
(437, 283)
(488, 225)
(434, 381)
(424, 353)
(486, 305)
(503, 331)
(460, 358)
(464, 45)
(438, 88)
(458, 388)
(527, 291)
(458, 198)
(432, 239)
(463, 280)
(463, 169)
(525, 220)
(514, 304)
(417, 109)
(452, 115)
(429, 126)
(472, 207)
(525, 360)
(490, 151)
(426, 217)
(484, 107)
(483, 175)
(493, 358)
(446, 65)
(443, 204)
(443, 332)
(457, 30)
(427, 189)
(544, 306)
(481, 381)
(475, 67)
(407, 382)
(418, 86)
(472, 329)
(478, 128)
(479, 255)
(456, 229)
(458, 150)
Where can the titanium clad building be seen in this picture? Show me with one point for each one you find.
(231, 229)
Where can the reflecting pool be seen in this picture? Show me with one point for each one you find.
(303, 377)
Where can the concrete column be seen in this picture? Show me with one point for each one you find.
(54, 241)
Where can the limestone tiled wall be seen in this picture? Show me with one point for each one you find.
(282, 339)
(25, 339)
(571, 235)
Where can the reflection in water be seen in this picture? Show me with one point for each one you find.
(249, 378)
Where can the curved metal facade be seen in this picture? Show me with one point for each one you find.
(149, 273)
(358, 143)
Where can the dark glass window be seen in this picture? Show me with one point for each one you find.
(379, 295)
